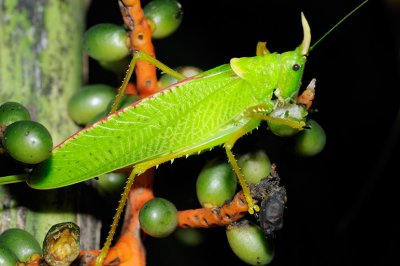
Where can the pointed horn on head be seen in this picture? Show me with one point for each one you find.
(305, 45)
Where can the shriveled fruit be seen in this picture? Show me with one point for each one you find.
(61, 244)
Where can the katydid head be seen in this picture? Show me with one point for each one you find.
(292, 67)
(272, 73)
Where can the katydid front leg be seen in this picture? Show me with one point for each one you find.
(257, 113)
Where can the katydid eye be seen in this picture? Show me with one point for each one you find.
(296, 67)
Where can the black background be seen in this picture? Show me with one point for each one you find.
(342, 203)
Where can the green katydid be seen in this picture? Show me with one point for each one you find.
(214, 108)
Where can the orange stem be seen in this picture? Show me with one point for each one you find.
(128, 250)
(140, 37)
(307, 95)
(211, 217)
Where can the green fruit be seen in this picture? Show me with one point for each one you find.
(310, 141)
(158, 217)
(118, 67)
(21, 243)
(188, 71)
(86, 103)
(11, 112)
(125, 101)
(7, 257)
(165, 17)
(28, 141)
(215, 184)
(247, 241)
(293, 112)
(189, 236)
(111, 184)
(106, 42)
(255, 166)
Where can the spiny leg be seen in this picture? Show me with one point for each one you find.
(256, 113)
(246, 191)
(124, 197)
(140, 55)
(139, 169)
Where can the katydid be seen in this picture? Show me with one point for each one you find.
(213, 108)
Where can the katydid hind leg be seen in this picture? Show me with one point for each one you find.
(137, 170)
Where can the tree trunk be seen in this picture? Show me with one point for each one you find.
(41, 67)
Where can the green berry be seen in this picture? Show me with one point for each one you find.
(310, 141)
(7, 257)
(165, 17)
(125, 101)
(188, 71)
(106, 42)
(215, 184)
(90, 100)
(293, 112)
(158, 217)
(28, 141)
(111, 184)
(189, 236)
(21, 243)
(255, 166)
(247, 241)
(11, 112)
(118, 67)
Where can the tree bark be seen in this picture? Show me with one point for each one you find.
(41, 67)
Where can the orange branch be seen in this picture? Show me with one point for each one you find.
(128, 250)
(140, 38)
(210, 217)
(308, 95)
